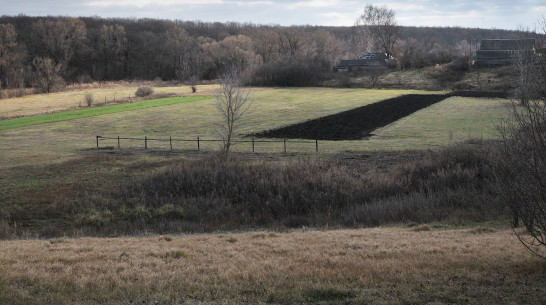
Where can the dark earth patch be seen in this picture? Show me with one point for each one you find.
(355, 124)
(358, 123)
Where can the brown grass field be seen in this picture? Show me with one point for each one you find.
(74, 98)
(396, 265)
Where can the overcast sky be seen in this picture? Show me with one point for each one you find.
(500, 14)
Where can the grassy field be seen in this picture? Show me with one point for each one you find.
(453, 120)
(49, 167)
(72, 99)
(272, 108)
(95, 111)
(418, 265)
(45, 163)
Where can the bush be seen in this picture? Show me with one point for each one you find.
(446, 73)
(89, 99)
(144, 91)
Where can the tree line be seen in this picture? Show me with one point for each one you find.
(47, 52)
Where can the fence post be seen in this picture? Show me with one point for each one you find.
(145, 142)
(284, 145)
(198, 144)
(98, 141)
(316, 145)
(118, 142)
(252, 144)
(171, 142)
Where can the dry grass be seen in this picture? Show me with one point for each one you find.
(212, 194)
(379, 266)
(73, 99)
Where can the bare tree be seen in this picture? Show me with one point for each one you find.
(380, 25)
(374, 73)
(233, 52)
(48, 75)
(60, 39)
(232, 102)
(521, 173)
(186, 52)
(265, 42)
(113, 42)
(11, 58)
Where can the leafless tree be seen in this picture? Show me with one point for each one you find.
(265, 44)
(48, 75)
(233, 52)
(521, 173)
(113, 42)
(11, 58)
(293, 42)
(186, 52)
(61, 38)
(373, 74)
(380, 25)
(232, 102)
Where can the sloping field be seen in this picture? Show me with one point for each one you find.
(416, 265)
(33, 162)
(271, 109)
(95, 111)
(74, 99)
(356, 124)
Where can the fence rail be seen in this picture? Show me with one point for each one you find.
(199, 140)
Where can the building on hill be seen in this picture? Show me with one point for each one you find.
(495, 52)
(367, 61)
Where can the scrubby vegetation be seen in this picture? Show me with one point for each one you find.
(144, 91)
(215, 194)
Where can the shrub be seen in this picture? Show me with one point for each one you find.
(144, 91)
(446, 73)
(89, 99)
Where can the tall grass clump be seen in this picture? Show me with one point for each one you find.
(89, 99)
(217, 194)
(144, 91)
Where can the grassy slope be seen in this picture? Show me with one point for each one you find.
(450, 121)
(60, 101)
(95, 111)
(381, 265)
(365, 266)
(32, 157)
(272, 108)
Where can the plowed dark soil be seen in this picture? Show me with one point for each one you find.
(358, 123)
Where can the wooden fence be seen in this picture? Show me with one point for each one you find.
(198, 141)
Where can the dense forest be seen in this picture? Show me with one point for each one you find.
(47, 52)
